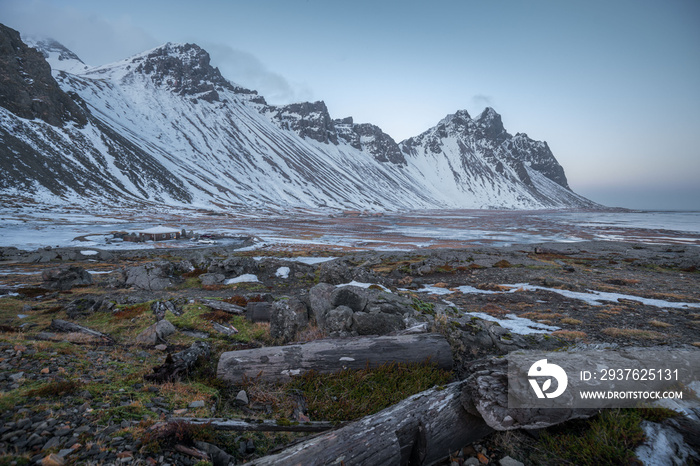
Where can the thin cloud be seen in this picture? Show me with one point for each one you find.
(246, 70)
(95, 40)
(481, 100)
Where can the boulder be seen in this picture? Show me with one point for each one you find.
(212, 279)
(233, 266)
(258, 311)
(354, 297)
(154, 276)
(287, 317)
(156, 333)
(335, 272)
(320, 301)
(338, 321)
(83, 307)
(376, 324)
(65, 278)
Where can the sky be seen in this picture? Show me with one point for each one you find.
(612, 86)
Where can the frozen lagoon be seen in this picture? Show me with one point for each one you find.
(30, 229)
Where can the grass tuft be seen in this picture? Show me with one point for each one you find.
(348, 395)
(634, 333)
(609, 438)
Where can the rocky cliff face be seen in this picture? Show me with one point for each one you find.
(370, 138)
(166, 127)
(27, 88)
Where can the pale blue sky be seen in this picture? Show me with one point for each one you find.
(613, 86)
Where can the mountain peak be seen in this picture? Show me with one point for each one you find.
(491, 121)
(57, 55)
(27, 88)
(185, 69)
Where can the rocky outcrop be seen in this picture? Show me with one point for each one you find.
(185, 69)
(287, 318)
(156, 333)
(370, 138)
(65, 278)
(152, 276)
(307, 119)
(27, 88)
(351, 310)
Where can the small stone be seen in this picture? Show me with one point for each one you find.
(482, 458)
(63, 431)
(508, 421)
(53, 442)
(242, 398)
(45, 370)
(471, 462)
(197, 404)
(161, 347)
(65, 452)
(53, 460)
(179, 412)
(17, 377)
(508, 461)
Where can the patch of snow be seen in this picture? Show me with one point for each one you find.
(245, 278)
(311, 260)
(594, 298)
(364, 285)
(515, 324)
(430, 289)
(89, 253)
(8, 295)
(663, 446)
(282, 272)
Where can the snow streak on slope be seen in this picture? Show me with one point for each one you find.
(228, 152)
(479, 165)
(165, 127)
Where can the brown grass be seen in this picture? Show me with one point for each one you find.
(570, 335)
(541, 315)
(502, 264)
(494, 310)
(571, 321)
(493, 287)
(634, 333)
(311, 333)
(659, 324)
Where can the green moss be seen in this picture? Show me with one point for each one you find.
(423, 307)
(348, 395)
(609, 438)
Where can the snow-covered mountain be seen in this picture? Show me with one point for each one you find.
(166, 127)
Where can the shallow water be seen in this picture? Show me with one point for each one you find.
(407, 230)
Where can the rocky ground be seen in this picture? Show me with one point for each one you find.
(86, 395)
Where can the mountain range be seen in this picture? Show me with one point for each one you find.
(166, 128)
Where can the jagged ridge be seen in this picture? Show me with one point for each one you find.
(165, 126)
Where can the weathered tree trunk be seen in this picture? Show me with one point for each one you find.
(260, 425)
(65, 326)
(279, 363)
(222, 306)
(420, 430)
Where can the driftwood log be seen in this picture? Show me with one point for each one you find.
(280, 363)
(222, 306)
(259, 425)
(422, 429)
(65, 326)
